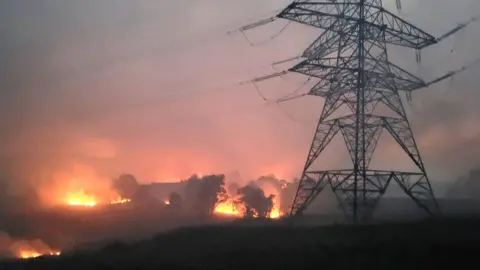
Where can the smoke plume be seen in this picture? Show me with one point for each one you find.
(91, 90)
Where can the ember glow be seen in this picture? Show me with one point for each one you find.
(275, 213)
(167, 202)
(80, 198)
(120, 201)
(227, 208)
(30, 254)
(29, 249)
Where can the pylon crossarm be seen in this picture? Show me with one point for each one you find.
(377, 20)
(385, 73)
(253, 25)
(257, 24)
(264, 78)
(323, 67)
(397, 31)
(320, 15)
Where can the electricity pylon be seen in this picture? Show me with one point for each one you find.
(351, 62)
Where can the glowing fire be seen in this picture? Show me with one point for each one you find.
(229, 208)
(30, 254)
(275, 213)
(167, 202)
(120, 201)
(81, 199)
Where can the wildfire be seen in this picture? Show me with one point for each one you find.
(83, 199)
(30, 254)
(275, 213)
(120, 201)
(80, 198)
(167, 202)
(229, 208)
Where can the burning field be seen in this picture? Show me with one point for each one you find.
(230, 208)
(82, 199)
(24, 249)
(83, 209)
(251, 201)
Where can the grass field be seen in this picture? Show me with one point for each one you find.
(431, 244)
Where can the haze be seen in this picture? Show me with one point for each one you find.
(97, 88)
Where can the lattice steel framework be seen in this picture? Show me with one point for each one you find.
(350, 61)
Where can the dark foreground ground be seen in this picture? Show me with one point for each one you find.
(440, 244)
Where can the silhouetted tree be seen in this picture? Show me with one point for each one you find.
(175, 201)
(255, 202)
(212, 192)
(205, 193)
(192, 188)
(126, 185)
(143, 196)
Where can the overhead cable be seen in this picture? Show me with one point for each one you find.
(276, 35)
(458, 28)
(453, 73)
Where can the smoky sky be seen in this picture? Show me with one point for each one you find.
(152, 88)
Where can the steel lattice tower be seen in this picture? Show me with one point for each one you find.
(351, 62)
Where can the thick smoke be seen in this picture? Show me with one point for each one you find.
(466, 186)
(444, 116)
(81, 87)
(80, 83)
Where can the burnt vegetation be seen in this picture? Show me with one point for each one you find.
(110, 238)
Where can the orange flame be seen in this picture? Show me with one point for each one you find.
(120, 201)
(275, 213)
(80, 198)
(25, 249)
(30, 254)
(229, 208)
